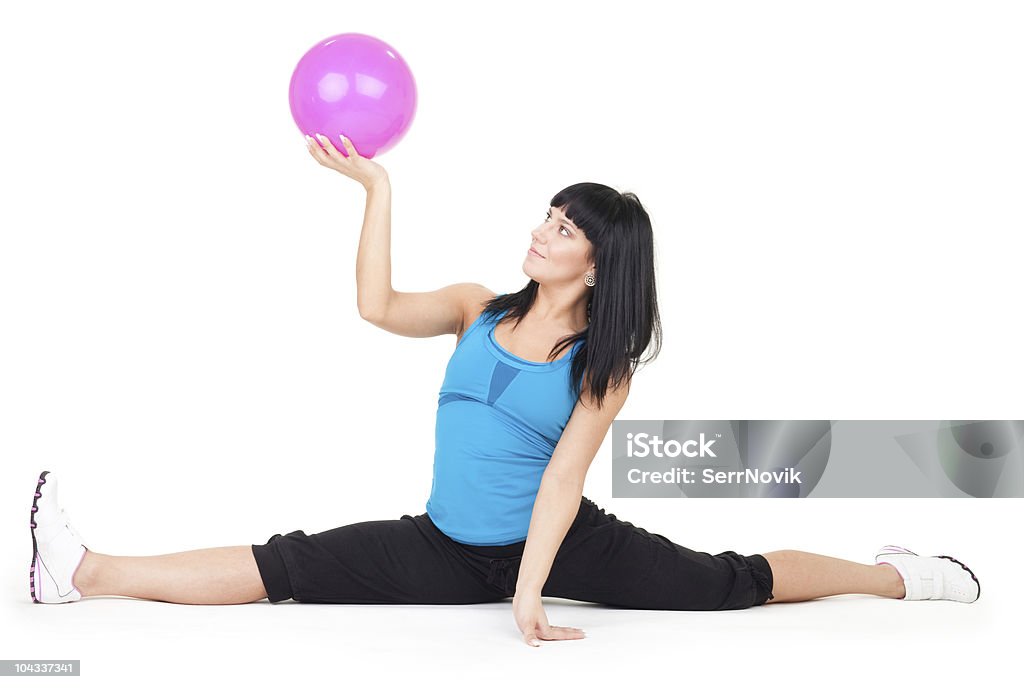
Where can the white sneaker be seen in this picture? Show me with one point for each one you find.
(931, 578)
(57, 549)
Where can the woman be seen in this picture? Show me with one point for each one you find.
(535, 381)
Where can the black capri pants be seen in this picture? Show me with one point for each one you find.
(601, 560)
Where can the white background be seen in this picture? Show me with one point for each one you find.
(835, 190)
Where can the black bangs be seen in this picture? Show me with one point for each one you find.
(589, 205)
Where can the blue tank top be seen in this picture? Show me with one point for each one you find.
(499, 419)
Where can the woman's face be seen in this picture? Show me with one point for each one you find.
(563, 251)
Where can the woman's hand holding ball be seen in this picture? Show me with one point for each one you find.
(351, 164)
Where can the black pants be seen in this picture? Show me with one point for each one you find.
(601, 560)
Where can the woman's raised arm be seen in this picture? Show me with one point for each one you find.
(373, 262)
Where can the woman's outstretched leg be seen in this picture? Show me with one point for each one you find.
(800, 576)
(211, 576)
(64, 570)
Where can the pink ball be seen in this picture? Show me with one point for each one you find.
(356, 85)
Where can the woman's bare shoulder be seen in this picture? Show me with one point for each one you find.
(476, 300)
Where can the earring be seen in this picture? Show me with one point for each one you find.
(589, 279)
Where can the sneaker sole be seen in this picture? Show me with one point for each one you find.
(35, 546)
(968, 569)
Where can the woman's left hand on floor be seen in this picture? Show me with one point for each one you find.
(533, 623)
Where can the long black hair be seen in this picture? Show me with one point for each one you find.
(622, 311)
